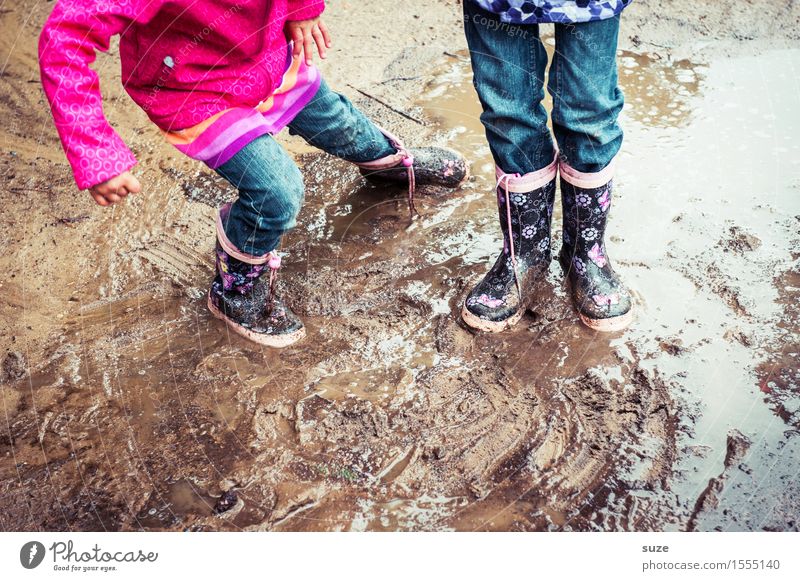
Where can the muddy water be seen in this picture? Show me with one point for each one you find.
(392, 415)
(702, 242)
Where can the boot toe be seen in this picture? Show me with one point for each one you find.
(482, 317)
(612, 312)
(440, 166)
(433, 166)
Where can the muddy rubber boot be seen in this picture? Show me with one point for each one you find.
(602, 301)
(243, 294)
(525, 206)
(417, 166)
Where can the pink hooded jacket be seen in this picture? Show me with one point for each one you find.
(182, 62)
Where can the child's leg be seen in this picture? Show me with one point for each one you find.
(508, 62)
(331, 123)
(586, 98)
(270, 195)
(586, 103)
(243, 294)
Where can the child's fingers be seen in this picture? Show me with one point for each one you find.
(319, 40)
(308, 47)
(100, 200)
(324, 30)
(297, 41)
(133, 186)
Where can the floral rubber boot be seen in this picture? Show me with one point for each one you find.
(525, 205)
(243, 294)
(601, 299)
(417, 166)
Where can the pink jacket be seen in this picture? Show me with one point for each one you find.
(182, 62)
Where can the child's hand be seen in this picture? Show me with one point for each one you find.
(115, 189)
(303, 33)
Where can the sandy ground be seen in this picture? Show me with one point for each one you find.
(125, 406)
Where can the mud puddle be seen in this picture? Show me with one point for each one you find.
(391, 415)
(704, 248)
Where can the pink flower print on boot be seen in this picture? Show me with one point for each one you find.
(605, 200)
(490, 302)
(606, 300)
(597, 256)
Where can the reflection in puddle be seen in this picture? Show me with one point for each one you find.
(659, 94)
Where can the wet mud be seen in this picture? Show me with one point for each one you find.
(126, 406)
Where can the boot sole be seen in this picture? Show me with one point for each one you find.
(277, 341)
(475, 322)
(608, 325)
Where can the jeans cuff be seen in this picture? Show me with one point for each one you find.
(229, 247)
(388, 161)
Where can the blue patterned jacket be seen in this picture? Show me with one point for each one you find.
(558, 11)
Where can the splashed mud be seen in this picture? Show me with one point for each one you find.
(125, 406)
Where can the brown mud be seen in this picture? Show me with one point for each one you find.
(126, 406)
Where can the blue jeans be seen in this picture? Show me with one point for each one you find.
(270, 185)
(509, 61)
